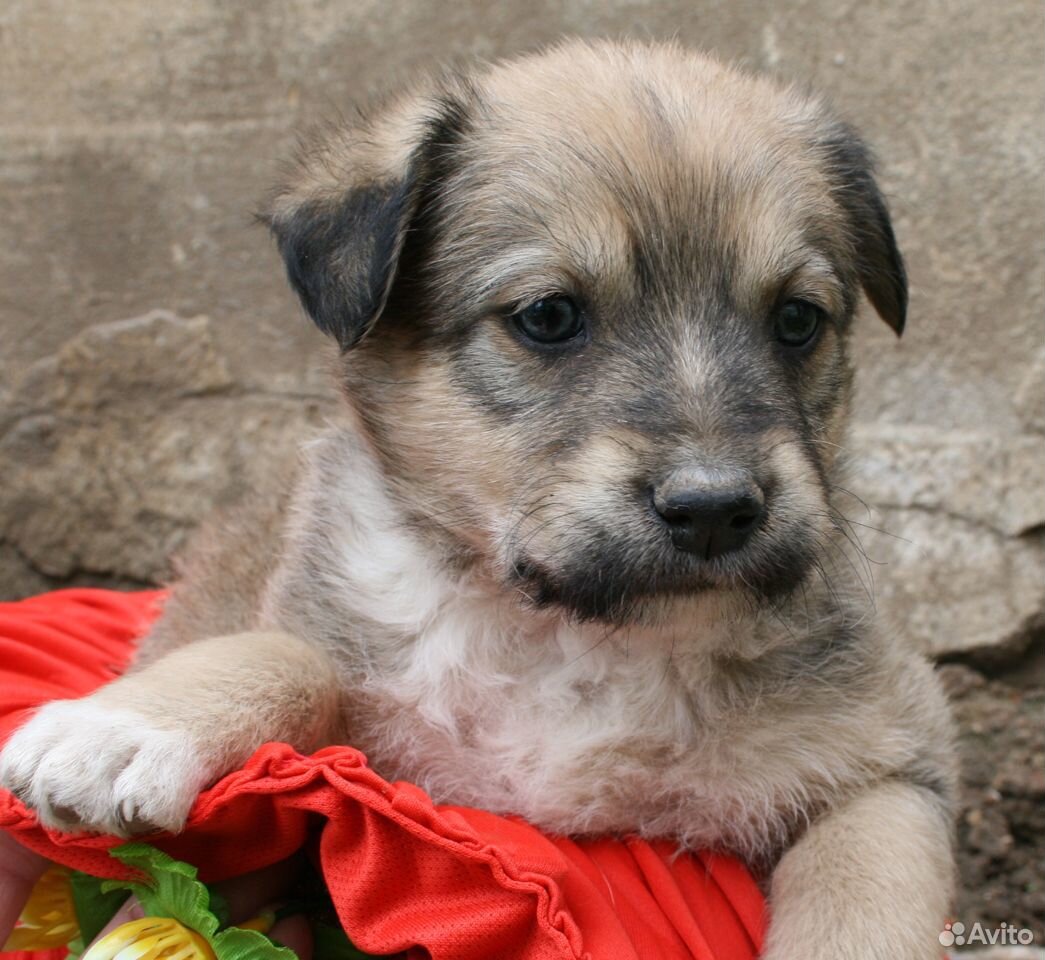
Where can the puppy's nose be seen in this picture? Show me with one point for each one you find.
(709, 513)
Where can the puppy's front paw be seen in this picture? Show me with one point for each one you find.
(84, 766)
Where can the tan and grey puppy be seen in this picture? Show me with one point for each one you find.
(575, 552)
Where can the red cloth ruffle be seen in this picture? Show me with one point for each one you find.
(452, 883)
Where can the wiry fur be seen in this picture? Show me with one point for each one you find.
(471, 583)
(593, 727)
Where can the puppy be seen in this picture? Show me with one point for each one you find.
(574, 552)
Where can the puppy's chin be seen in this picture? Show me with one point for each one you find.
(614, 591)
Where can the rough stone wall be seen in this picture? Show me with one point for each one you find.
(149, 348)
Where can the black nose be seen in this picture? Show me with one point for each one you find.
(710, 513)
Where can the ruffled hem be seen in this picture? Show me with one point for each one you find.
(459, 883)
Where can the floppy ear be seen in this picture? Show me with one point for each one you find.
(879, 263)
(343, 217)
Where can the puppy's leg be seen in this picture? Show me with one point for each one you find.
(133, 756)
(870, 880)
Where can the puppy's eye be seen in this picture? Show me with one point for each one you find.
(550, 320)
(797, 322)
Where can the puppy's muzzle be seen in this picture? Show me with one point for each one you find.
(709, 512)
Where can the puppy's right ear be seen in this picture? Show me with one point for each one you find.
(343, 216)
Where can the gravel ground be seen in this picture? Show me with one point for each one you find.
(1001, 827)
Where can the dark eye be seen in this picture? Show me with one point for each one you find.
(797, 322)
(551, 320)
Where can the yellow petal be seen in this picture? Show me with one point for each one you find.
(26, 938)
(147, 948)
(48, 919)
(151, 938)
(119, 937)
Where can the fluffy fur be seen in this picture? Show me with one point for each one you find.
(472, 581)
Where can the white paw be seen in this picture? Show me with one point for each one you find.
(84, 766)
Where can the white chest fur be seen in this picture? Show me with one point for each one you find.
(454, 684)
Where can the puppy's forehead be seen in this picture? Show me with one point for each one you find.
(640, 97)
(580, 155)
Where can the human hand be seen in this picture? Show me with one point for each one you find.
(20, 868)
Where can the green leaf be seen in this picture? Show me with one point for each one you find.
(172, 889)
(237, 944)
(94, 906)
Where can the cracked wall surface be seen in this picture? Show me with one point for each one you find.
(136, 142)
(150, 351)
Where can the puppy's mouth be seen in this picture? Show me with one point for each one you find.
(593, 595)
(611, 586)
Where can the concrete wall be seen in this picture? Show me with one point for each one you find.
(137, 139)
(149, 347)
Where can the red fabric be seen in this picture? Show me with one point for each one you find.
(448, 882)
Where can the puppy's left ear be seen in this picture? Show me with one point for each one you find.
(879, 262)
(342, 217)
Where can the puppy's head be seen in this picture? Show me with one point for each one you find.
(593, 308)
